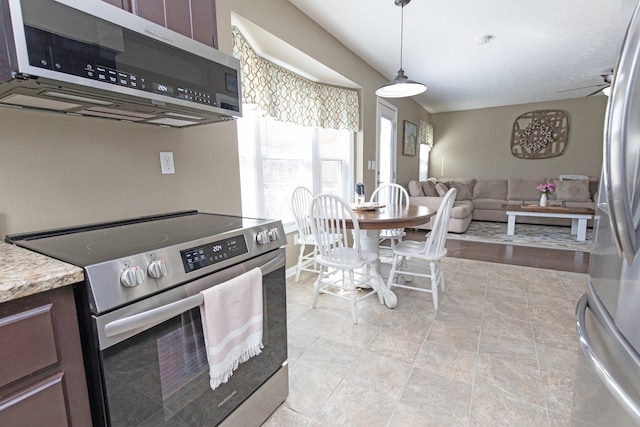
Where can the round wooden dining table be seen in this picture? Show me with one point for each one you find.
(392, 217)
(371, 221)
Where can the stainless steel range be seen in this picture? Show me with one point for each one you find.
(140, 321)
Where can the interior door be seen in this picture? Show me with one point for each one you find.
(387, 124)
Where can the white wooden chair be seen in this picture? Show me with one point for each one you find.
(394, 196)
(300, 204)
(432, 250)
(346, 272)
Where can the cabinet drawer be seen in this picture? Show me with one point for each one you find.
(42, 404)
(27, 343)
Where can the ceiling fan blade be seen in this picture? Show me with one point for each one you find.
(598, 91)
(579, 88)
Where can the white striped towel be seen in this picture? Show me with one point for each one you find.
(232, 324)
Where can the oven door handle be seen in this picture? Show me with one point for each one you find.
(155, 316)
(152, 317)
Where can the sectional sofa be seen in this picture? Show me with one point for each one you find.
(486, 199)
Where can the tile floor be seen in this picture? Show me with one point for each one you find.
(500, 351)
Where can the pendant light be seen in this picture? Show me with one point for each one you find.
(401, 86)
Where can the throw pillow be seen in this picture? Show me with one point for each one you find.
(573, 191)
(462, 191)
(442, 189)
(415, 189)
(429, 189)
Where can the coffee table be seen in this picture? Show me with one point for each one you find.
(578, 216)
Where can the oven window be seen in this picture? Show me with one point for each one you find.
(161, 377)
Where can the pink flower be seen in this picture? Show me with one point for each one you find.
(546, 187)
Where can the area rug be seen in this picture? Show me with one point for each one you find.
(540, 236)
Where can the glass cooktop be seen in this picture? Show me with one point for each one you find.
(97, 243)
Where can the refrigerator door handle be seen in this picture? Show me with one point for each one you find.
(603, 372)
(607, 166)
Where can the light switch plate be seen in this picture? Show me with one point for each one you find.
(166, 162)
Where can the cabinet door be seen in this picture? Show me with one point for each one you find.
(41, 404)
(179, 17)
(42, 376)
(203, 15)
(195, 19)
(151, 10)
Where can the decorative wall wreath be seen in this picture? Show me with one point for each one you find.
(540, 134)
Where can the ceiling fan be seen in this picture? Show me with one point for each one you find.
(607, 78)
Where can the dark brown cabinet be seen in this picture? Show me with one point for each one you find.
(193, 18)
(42, 376)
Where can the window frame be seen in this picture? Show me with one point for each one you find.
(316, 164)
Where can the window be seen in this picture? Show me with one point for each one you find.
(276, 157)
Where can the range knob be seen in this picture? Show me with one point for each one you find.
(157, 269)
(273, 234)
(132, 277)
(262, 237)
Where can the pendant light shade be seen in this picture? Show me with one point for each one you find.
(401, 86)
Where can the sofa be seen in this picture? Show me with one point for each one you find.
(482, 199)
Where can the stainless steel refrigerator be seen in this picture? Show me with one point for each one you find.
(607, 389)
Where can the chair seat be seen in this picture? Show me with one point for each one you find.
(311, 240)
(346, 258)
(305, 240)
(395, 232)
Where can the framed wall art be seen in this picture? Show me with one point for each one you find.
(410, 139)
(540, 134)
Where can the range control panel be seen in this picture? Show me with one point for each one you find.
(205, 255)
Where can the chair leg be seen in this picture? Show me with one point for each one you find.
(316, 291)
(434, 284)
(354, 299)
(441, 276)
(300, 260)
(392, 273)
(403, 265)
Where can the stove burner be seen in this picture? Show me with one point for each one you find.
(138, 241)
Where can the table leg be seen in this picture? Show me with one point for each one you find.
(511, 225)
(369, 242)
(582, 230)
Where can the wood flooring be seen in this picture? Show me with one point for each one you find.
(553, 259)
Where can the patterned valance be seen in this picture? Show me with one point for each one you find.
(288, 97)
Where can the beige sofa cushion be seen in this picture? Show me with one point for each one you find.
(490, 189)
(463, 192)
(494, 204)
(524, 188)
(573, 190)
(429, 188)
(461, 209)
(415, 189)
(442, 188)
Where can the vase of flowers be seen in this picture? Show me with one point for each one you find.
(545, 189)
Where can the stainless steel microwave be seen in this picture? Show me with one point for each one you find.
(89, 58)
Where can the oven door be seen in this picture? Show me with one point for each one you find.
(153, 364)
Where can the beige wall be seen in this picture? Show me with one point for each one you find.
(57, 170)
(476, 143)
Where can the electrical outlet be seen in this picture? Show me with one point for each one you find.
(166, 162)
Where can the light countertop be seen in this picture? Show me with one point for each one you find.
(23, 273)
